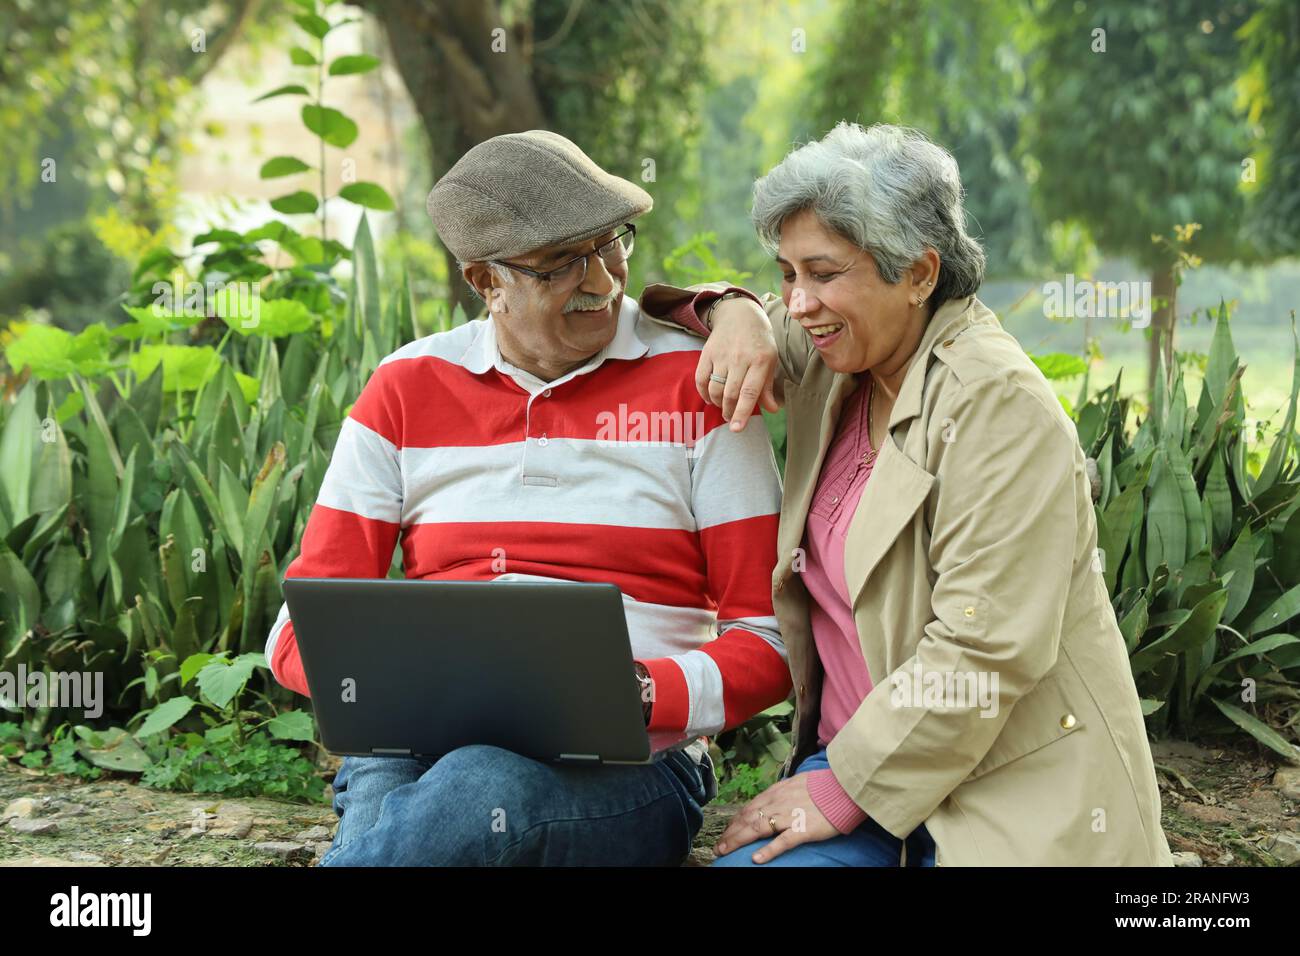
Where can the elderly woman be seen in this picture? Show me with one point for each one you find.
(962, 691)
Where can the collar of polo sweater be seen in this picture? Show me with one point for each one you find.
(484, 353)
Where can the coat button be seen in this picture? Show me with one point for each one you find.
(948, 344)
(803, 690)
(546, 394)
(970, 612)
(1068, 721)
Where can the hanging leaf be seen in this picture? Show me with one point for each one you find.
(358, 63)
(282, 166)
(369, 195)
(295, 203)
(329, 124)
(292, 89)
(316, 25)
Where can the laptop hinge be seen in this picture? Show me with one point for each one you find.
(391, 751)
(594, 758)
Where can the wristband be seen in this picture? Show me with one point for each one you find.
(708, 312)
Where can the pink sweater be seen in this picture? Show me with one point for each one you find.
(839, 487)
(846, 682)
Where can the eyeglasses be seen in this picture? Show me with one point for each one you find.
(570, 274)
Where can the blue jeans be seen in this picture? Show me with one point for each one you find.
(869, 845)
(485, 806)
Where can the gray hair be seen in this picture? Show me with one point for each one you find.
(887, 189)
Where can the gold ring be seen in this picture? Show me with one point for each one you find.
(771, 821)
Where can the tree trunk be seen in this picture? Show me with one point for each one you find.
(464, 91)
(1164, 296)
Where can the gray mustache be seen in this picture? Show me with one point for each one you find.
(585, 301)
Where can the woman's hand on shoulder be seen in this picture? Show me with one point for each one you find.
(741, 352)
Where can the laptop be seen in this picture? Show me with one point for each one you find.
(419, 668)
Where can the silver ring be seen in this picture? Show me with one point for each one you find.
(722, 380)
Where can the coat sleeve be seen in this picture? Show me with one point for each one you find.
(1002, 553)
(665, 303)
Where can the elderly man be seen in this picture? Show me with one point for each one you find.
(561, 437)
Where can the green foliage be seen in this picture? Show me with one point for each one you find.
(215, 762)
(151, 500)
(1155, 113)
(1271, 87)
(957, 71)
(329, 125)
(748, 759)
(67, 272)
(1199, 550)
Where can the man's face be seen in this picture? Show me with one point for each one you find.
(553, 326)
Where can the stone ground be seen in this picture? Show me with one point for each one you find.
(1223, 806)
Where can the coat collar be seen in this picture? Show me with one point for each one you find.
(949, 319)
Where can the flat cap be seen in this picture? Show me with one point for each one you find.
(518, 192)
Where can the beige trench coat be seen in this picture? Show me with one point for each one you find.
(971, 553)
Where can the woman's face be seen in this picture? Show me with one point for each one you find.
(856, 319)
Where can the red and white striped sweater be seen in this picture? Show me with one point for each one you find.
(616, 472)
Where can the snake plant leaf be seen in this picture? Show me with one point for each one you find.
(1261, 731)
(234, 504)
(1166, 520)
(1286, 551)
(1277, 613)
(1193, 632)
(1119, 520)
(258, 509)
(1219, 498)
(1284, 444)
(1195, 539)
(1134, 624)
(1240, 563)
(1254, 649)
(20, 600)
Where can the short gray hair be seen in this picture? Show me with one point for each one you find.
(887, 189)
